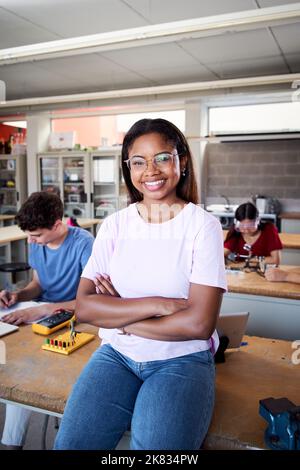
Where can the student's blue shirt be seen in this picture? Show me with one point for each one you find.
(59, 270)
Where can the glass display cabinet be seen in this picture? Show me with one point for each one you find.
(89, 183)
(13, 183)
(67, 174)
(108, 187)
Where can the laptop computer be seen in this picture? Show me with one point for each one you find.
(6, 328)
(232, 325)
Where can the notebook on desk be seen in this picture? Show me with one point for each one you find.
(6, 328)
(232, 325)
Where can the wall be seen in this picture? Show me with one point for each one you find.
(90, 130)
(240, 169)
(7, 131)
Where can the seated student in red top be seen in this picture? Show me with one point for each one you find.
(247, 229)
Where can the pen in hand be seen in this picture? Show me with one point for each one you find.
(4, 299)
(7, 299)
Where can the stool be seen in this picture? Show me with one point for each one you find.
(14, 268)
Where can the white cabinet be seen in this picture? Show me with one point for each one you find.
(13, 183)
(67, 174)
(89, 183)
(108, 192)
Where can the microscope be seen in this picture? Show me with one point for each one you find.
(251, 262)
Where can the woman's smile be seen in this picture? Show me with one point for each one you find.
(154, 185)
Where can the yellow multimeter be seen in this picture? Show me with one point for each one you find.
(54, 322)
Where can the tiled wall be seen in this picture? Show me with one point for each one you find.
(240, 169)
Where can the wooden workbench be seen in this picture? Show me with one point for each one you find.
(13, 232)
(253, 283)
(39, 378)
(6, 219)
(289, 215)
(290, 240)
(261, 369)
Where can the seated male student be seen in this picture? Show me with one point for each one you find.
(58, 253)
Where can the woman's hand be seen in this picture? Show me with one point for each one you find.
(104, 285)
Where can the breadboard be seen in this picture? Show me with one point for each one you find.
(63, 344)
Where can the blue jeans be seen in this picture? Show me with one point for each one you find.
(167, 404)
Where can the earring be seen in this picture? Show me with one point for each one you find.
(183, 173)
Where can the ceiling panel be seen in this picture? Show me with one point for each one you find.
(95, 69)
(68, 18)
(249, 67)
(294, 62)
(145, 58)
(232, 46)
(64, 76)
(25, 80)
(164, 63)
(15, 31)
(172, 75)
(161, 11)
(288, 37)
(273, 3)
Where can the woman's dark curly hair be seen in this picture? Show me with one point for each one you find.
(41, 210)
(187, 186)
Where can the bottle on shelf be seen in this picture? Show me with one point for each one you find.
(9, 144)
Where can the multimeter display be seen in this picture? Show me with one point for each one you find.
(52, 323)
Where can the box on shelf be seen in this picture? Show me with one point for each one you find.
(62, 140)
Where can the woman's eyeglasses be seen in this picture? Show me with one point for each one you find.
(162, 161)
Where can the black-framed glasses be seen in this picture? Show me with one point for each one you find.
(163, 160)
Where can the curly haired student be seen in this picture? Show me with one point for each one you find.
(154, 286)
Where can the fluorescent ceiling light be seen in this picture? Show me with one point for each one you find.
(20, 124)
(154, 34)
(183, 88)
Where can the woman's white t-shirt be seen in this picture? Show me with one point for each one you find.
(145, 260)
